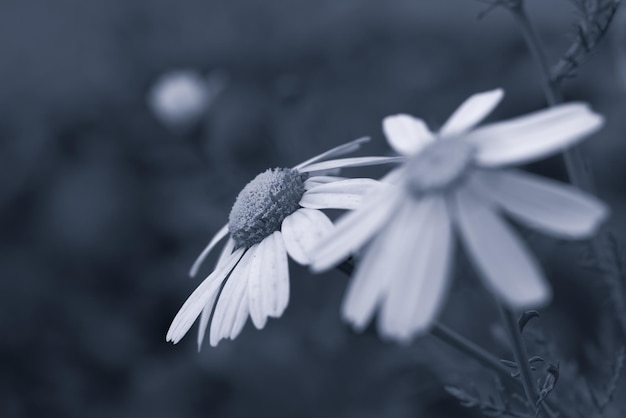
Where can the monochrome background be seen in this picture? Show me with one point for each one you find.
(103, 208)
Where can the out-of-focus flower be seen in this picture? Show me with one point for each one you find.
(276, 214)
(180, 98)
(453, 182)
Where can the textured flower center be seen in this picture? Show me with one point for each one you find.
(263, 204)
(439, 165)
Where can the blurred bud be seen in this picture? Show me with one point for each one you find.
(180, 98)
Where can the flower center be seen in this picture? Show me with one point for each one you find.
(439, 165)
(263, 204)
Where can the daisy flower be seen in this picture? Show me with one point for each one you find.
(275, 215)
(454, 183)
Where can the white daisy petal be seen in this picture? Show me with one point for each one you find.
(406, 134)
(353, 230)
(302, 231)
(335, 152)
(216, 238)
(533, 136)
(192, 307)
(351, 162)
(420, 268)
(371, 278)
(395, 176)
(502, 260)
(368, 284)
(343, 194)
(435, 269)
(255, 283)
(231, 298)
(226, 251)
(315, 181)
(240, 319)
(471, 112)
(208, 308)
(549, 206)
(277, 287)
(204, 319)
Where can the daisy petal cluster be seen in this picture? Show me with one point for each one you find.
(455, 183)
(276, 215)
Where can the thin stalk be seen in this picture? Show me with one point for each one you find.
(533, 42)
(462, 344)
(471, 349)
(520, 355)
(455, 340)
(578, 170)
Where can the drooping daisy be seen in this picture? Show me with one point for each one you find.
(454, 183)
(276, 214)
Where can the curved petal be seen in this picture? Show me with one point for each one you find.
(343, 194)
(420, 269)
(315, 181)
(335, 152)
(371, 279)
(471, 112)
(208, 308)
(546, 205)
(196, 302)
(302, 230)
(395, 176)
(406, 134)
(354, 229)
(351, 162)
(234, 294)
(255, 282)
(268, 286)
(537, 135)
(277, 287)
(501, 259)
(204, 319)
(216, 238)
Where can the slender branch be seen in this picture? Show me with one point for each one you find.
(462, 344)
(450, 337)
(533, 42)
(471, 349)
(521, 357)
(578, 170)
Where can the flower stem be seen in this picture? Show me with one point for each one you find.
(462, 344)
(521, 358)
(602, 245)
(533, 42)
(471, 349)
(455, 340)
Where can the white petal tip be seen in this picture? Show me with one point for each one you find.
(497, 94)
(531, 300)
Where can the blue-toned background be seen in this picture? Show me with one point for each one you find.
(103, 208)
